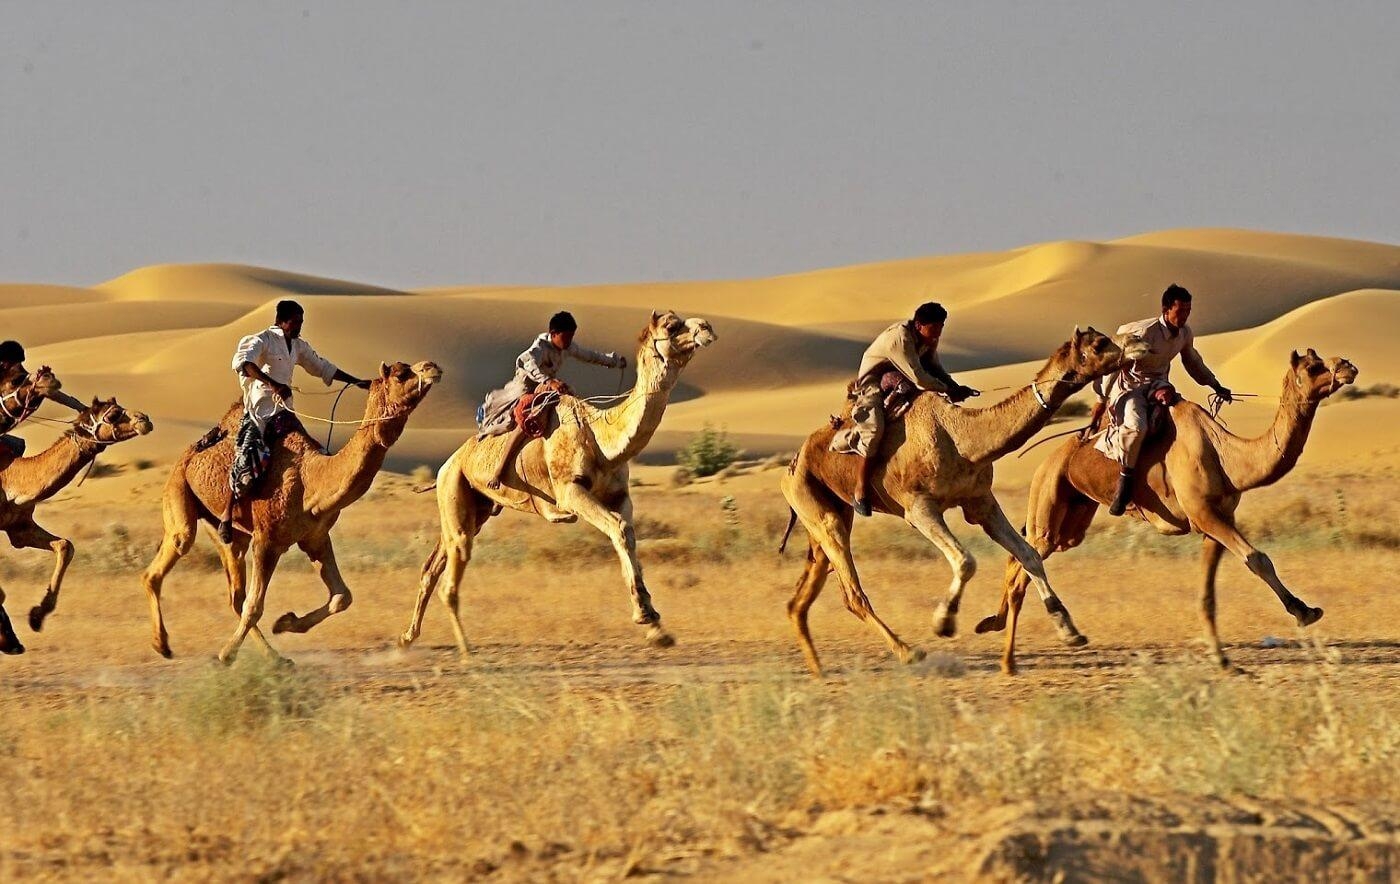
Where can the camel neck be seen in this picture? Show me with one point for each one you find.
(1268, 457)
(624, 430)
(1000, 429)
(344, 477)
(32, 479)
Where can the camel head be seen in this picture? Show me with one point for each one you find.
(671, 339)
(1312, 378)
(400, 387)
(21, 393)
(106, 423)
(1092, 354)
(43, 381)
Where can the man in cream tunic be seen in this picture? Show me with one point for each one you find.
(264, 363)
(910, 351)
(1127, 391)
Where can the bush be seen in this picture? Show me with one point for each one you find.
(422, 474)
(708, 453)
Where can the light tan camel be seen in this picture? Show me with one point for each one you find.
(1192, 476)
(938, 457)
(25, 482)
(579, 469)
(302, 495)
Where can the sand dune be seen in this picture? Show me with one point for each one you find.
(160, 337)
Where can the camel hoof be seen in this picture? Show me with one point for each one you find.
(284, 623)
(36, 618)
(162, 649)
(1309, 616)
(660, 638)
(914, 655)
(283, 663)
(990, 624)
(13, 648)
(403, 642)
(945, 625)
(1077, 640)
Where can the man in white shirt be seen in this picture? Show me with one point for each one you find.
(535, 369)
(264, 363)
(908, 350)
(1127, 391)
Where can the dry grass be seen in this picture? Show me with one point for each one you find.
(117, 764)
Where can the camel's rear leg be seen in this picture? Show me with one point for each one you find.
(829, 526)
(265, 559)
(31, 536)
(462, 512)
(180, 513)
(1211, 551)
(9, 642)
(809, 586)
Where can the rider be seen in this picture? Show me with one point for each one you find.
(12, 374)
(264, 364)
(910, 350)
(1126, 392)
(536, 369)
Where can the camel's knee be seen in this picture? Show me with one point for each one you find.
(64, 548)
(965, 568)
(1259, 564)
(340, 601)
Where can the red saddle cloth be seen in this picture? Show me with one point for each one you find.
(531, 412)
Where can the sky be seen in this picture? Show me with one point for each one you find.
(415, 144)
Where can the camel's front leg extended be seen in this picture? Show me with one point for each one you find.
(617, 526)
(989, 515)
(925, 516)
(322, 556)
(264, 558)
(31, 536)
(1221, 526)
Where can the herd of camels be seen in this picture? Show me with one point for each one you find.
(940, 456)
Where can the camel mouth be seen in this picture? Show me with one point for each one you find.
(142, 424)
(428, 372)
(702, 334)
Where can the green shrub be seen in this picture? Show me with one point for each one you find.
(708, 453)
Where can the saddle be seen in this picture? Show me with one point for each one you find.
(531, 412)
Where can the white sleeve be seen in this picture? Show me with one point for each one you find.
(250, 349)
(309, 359)
(583, 354)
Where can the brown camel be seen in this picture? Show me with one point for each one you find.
(300, 500)
(579, 469)
(1192, 476)
(938, 457)
(25, 482)
(21, 394)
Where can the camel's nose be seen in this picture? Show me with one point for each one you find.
(429, 372)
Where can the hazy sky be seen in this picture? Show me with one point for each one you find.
(414, 144)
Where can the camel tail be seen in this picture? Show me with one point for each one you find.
(425, 488)
(792, 521)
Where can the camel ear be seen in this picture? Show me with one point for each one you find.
(1313, 353)
(96, 402)
(1077, 332)
(1294, 359)
(384, 370)
(655, 315)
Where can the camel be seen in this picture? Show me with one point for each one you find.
(938, 457)
(302, 495)
(26, 482)
(21, 394)
(579, 469)
(1192, 476)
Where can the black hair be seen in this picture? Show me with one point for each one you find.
(1173, 294)
(931, 313)
(11, 352)
(288, 309)
(563, 321)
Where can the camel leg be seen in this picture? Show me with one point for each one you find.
(1211, 551)
(9, 642)
(993, 521)
(1221, 526)
(809, 586)
(178, 511)
(924, 515)
(829, 526)
(338, 598)
(31, 536)
(264, 564)
(427, 582)
(616, 525)
(232, 555)
(462, 512)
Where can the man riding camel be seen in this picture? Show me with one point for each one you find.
(536, 369)
(1128, 392)
(264, 364)
(904, 355)
(12, 370)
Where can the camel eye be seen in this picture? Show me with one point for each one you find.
(1316, 369)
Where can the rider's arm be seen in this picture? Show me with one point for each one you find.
(530, 362)
(250, 370)
(349, 379)
(907, 362)
(607, 360)
(1195, 365)
(63, 398)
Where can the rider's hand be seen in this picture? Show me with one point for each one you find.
(1224, 393)
(283, 391)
